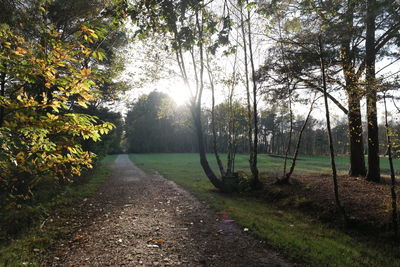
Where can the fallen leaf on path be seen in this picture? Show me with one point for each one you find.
(77, 237)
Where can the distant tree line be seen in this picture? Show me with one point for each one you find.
(155, 124)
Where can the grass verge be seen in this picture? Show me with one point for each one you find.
(297, 235)
(27, 248)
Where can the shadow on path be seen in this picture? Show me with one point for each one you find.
(137, 219)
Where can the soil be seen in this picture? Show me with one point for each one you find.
(367, 204)
(138, 219)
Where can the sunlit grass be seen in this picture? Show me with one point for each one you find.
(304, 164)
(294, 233)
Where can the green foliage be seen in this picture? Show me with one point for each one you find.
(38, 140)
(42, 79)
(110, 143)
(155, 124)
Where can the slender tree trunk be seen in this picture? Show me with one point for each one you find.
(370, 56)
(2, 93)
(392, 176)
(231, 123)
(214, 131)
(196, 102)
(290, 134)
(249, 117)
(253, 167)
(287, 176)
(328, 126)
(196, 112)
(290, 103)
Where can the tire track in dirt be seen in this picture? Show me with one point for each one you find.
(146, 220)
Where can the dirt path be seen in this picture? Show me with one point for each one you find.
(138, 219)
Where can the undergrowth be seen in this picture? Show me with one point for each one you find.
(27, 238)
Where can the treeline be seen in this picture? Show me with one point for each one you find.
(155, 124)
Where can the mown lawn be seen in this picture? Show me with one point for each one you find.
(299, 236)
(27, 248)
(304, 164)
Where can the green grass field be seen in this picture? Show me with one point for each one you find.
(304, 164)
(299, 236)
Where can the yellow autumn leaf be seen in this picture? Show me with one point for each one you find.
(20, 51)
(94, 35)
(85, 72)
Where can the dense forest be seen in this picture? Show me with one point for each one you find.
(284, 78)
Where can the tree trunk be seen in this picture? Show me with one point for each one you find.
(370, 56)
(392, 176)
(196, 113)
(357, 161)
(2, 93)
(254, 152)
(290, 134)
(328, 126)
(196, 102)
(214, 131)
(231, 125)
(249, 117)
(287, 176)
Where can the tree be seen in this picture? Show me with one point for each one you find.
(189, 24)
(152, 125)
(328, 126)
(39, 136)
(395, 218)
(52, 64)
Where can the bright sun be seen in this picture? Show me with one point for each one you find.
(178, 92)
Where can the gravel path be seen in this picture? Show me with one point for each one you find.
(137, 219)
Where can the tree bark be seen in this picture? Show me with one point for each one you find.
(214, 131)
(392, 176)
(249, 117)
(370, 56)
(196, 113)
(287, 176)
(328, 126)
(2, 93)
(357, 160)
(254, 152)
(290, 133)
